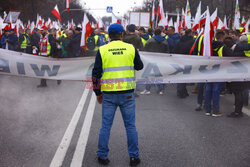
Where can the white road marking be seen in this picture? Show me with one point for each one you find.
(246, 111)
(65, 142)
(83, 138)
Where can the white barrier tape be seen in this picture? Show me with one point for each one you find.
(158, 68)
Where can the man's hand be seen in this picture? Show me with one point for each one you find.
(99, 99)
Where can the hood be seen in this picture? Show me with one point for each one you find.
(159, 38)
(145, 36)
(175, 36)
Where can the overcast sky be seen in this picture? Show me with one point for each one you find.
(120, 7)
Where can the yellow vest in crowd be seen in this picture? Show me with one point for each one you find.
(25, 42)
(248, 36)
(219, 51)
(144, 41)
(200, 44)
(118, 66)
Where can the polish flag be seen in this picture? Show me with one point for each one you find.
(188, 16)
(163, 22)
(225, 22)
(214, 19)
(243, 24)
(32, 27)
(100, 24)
(153, 14)
(197, 18)
(67, 4)
(55, 11)
(86, 31)
(237, 16)
(160, 11)
(183, 24)
(203, 19)
(208, 35)
(221, 25)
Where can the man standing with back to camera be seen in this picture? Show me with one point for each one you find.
(114, 65)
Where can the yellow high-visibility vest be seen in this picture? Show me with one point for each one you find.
(118, 66)
(144, 41)
(25, 44)
(219, 51)
(200, 44)
(247, 53)
(248, 36)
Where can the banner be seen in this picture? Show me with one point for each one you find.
(158, 68)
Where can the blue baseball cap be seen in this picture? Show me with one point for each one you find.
(115, 28)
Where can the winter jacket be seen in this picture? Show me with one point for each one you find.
(157, 44)
(35, 40)
(184, 45)
(74, 46)
(3, 39)
(173, 40)
(12, 42)
(134, 40)
(226, 51)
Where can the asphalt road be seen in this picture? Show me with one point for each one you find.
(42, 127)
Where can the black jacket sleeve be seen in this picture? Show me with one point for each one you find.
(97, 74)
(138, 64)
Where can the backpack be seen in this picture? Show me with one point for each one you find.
(101, 40)
(91, 42)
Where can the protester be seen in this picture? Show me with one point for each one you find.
(144, 37)
(132, 38)
(156, 44)
(25, 42)
(183, 47)
(173, 38)
(44, 50)
(122, 96)
(74, 44)
(12, 40)
(238, 88)
(35, 40)
(3, 38)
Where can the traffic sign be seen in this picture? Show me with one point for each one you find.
(109, 9)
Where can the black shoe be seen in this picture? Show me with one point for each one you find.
(59, 82)
(235, 115)
(134, 161)
(103, 161)
(41, 86)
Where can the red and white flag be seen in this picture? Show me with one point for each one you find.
(208, 35)
(160, 11)
(67, 4)
(188, 16)
(153, 14)
(220, 25)
(55, 11)
(183, 24)
(100, 24)
(237, 16)
(214, 18)
(225, 22)
(86, 31)
(197, 18)
(243, 24)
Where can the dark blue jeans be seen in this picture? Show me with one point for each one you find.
(200, 93)
(126, 102)
(212, 94)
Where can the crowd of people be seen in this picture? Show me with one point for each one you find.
(66, 44)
